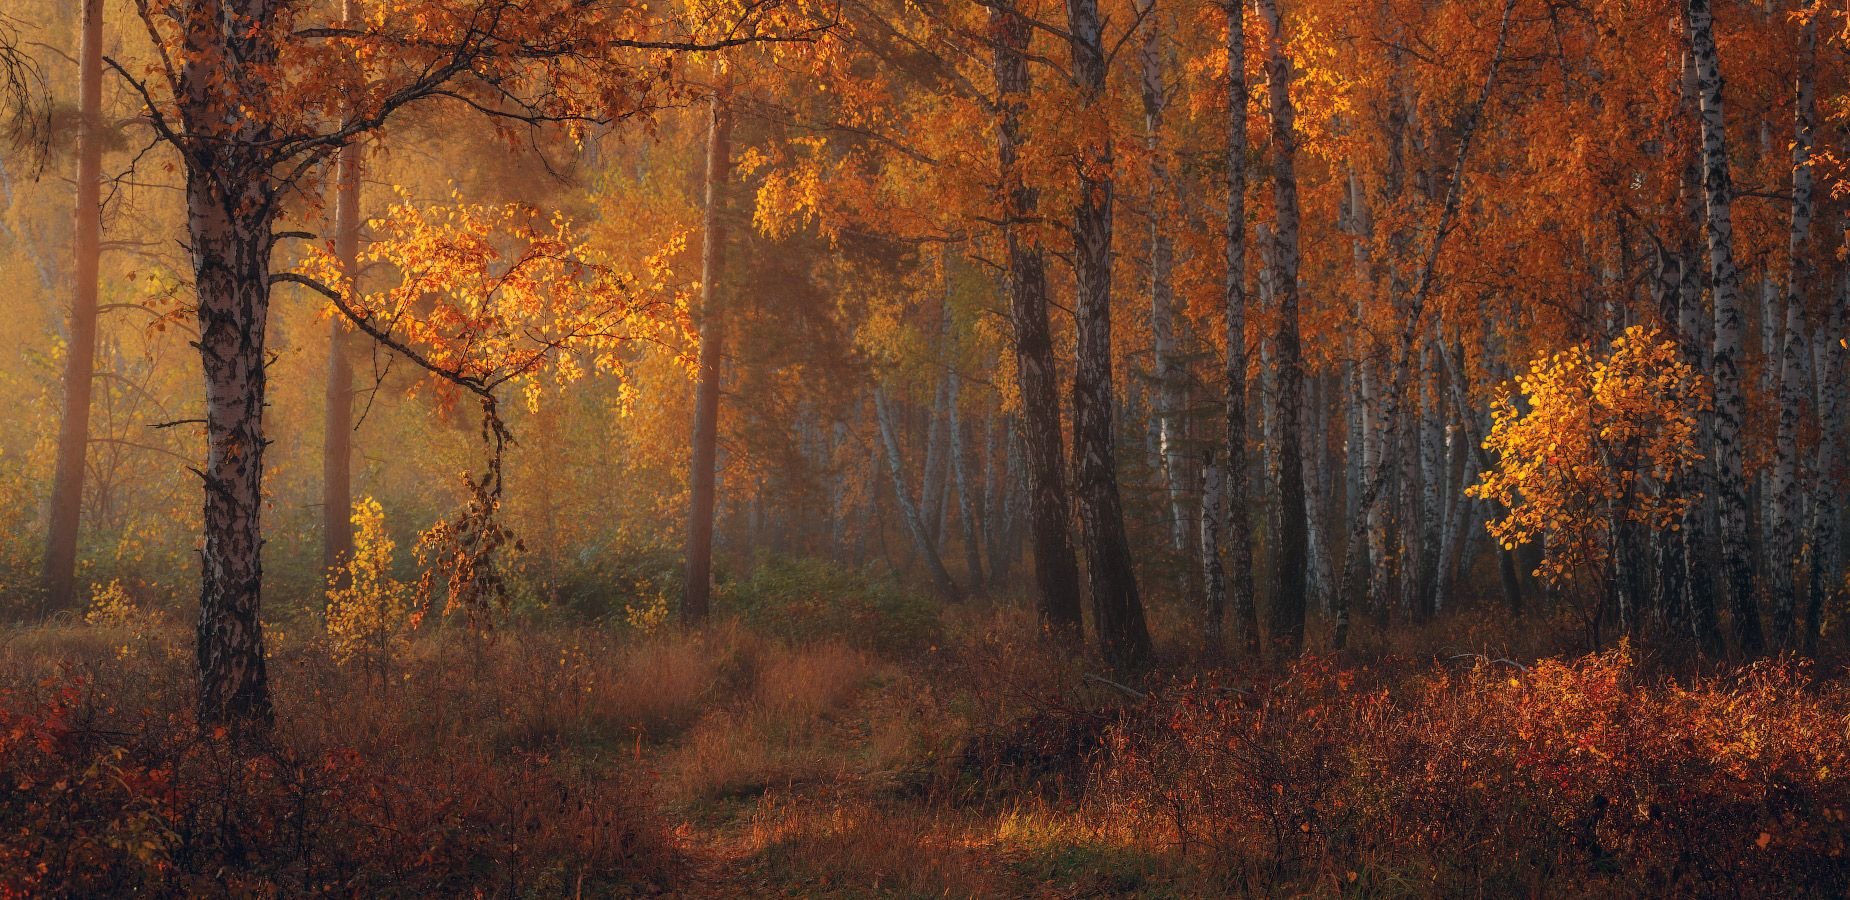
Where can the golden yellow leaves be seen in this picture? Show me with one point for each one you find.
(368, 611)
(1602, 441)
(496, 293)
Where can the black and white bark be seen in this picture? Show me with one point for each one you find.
(1725, 359)
(1117, 609)
(916, 526)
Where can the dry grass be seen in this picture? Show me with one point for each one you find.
(550, 760)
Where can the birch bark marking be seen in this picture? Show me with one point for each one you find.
(1169, 374)
(1117, 610)
(1730, 328)
(909, 510)
(1795, 351)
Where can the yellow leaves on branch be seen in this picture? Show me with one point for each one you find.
(368, 612)
(500, 293)
(1603, 442)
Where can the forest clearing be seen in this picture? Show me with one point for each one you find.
(924, 448)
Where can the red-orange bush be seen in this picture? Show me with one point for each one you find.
(148, 804)
(1580, 776)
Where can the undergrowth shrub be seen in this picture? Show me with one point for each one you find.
(110, 788)
(1572, 776)
(811, 599)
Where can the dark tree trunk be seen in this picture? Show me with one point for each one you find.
(1234, 508)
(67, 486)
(1056, 569)
(1290, 562)
(703, 477)
(1117, 609)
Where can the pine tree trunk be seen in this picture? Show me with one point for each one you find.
(1056, 569)
(67, 486)
(1725, 361)
(703, 479)
(1290, 562)
(1117, 609)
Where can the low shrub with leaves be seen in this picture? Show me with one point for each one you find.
(1578, 777)
(428, 789)
(369, 611)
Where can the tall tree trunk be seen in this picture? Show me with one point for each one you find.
(1725, 361)
(1290, 562)
(232, 201)
(337, 421)
(1234, 509)
(908, 510)
(1321, 470)
(67, 486)
(1056, 569)
(1169, 375)
(967, 502)
(703, 478)
(1117, 609)
(1409, 327)
(1795, 348)
(1827, 374)
(1693, 611)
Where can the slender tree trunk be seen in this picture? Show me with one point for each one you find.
(1290, 562)
(1117, 609)
(1409, 327)
(1169, 375)
(67, 486)
(908, 510)
(1321, 472)
(932, 491)
(1235, 508)
(337, 423)
(1795, 348)
(1693, 611)
(1056, 569)
(967, 503)
(703, 479)
(1725, 361)
(1827, 372)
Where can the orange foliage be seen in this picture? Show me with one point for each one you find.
(1575, 777)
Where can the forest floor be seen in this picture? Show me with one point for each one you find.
(810, 746)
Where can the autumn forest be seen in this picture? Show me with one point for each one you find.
(924, 448)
